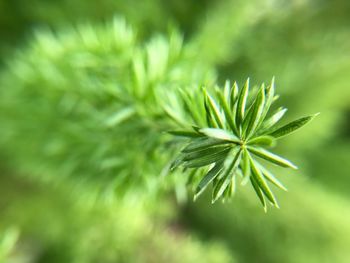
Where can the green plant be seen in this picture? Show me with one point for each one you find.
(107, 95)
(228, 134)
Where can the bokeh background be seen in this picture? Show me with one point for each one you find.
(305, 44)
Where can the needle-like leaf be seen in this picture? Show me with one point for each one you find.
(264, 140)
(227, 90)
(231, 188)
(220, 134)
(292, 126)
(270, 177)
(269, 98)
(270, 122)
(188, 100)
(208, 159)
(257, 110)
(245, 163)
(271, 157)
(226, 177)
(260, 180)
(214, 109)
(258, 192)
(208, 115)
(233, 96)
(208, 178)
(191, 134)
(202, 143)
(206, 152)
(227, 112)
(241, 103)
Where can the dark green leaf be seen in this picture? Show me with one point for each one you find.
(177, 162)
(190, 134)
(260, 180)
(292, 126)
(208, 178)
(202, 143)
(226, 176)
(204, 152)
(208, 159)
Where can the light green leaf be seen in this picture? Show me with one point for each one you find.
(270, 93)
(245, 163)
(120, 116)
(241, 103)
(270, 177)
(271, 157)
(208, 178)
(257, 110)
(174, 116)
(233, 96)
(292, 126)
(264, 140)
(214, 109)
(208, 115)
(227, 112)
(220, 134)
(188, 101)
(247, 120)
(270, 122)
(231, 188)
(260, 180)
(227, 89)
(192, 177)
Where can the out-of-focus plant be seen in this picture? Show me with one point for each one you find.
(8, 240)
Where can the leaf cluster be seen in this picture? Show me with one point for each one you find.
(237, 132)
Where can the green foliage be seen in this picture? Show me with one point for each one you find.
(91, 231)
(237, 134)
(101, 103)
(82, 115)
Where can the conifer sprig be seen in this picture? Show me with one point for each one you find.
(238, 130)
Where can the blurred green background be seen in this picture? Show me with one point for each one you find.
(305, 44)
